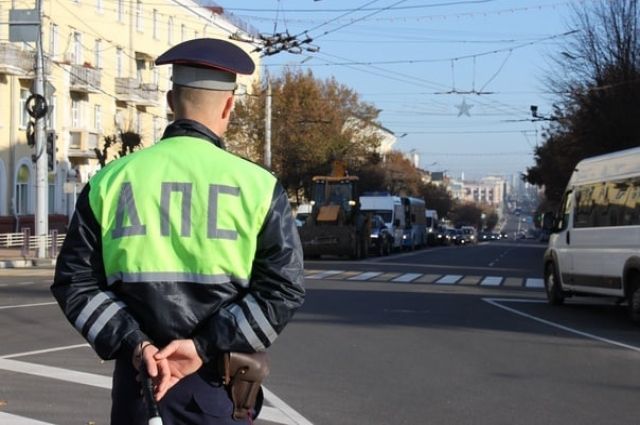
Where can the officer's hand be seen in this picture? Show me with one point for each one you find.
(182, 359)
(144, 352)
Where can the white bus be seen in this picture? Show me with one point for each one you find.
(390, 209)
(415, 231)
(594, 245)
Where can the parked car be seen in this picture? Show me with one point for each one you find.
(381, 237)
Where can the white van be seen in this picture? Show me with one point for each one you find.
(391, 210)
(594, 245)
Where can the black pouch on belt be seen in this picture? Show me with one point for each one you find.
(242, 374)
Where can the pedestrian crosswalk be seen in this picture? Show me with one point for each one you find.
(426, 278)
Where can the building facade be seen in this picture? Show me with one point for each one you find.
(101, 81)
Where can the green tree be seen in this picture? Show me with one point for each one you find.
(466, 214)
(598, 74)
(129, 142)
(436, 198)
(313, 123)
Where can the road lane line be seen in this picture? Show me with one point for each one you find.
(48, 350)
(8, 419)
(406, 278)
(449, 279)
(283, 407)
(534, 283)
(5, 307)
(491, 281)
(325, 274)
(282, 413)
(496, 302)
(365, 276)
(58, 373)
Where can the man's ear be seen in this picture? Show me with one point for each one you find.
(170, 99)
(228, 107)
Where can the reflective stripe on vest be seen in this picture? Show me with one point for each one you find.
(180, 210)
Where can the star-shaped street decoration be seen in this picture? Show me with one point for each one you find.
(463, 108)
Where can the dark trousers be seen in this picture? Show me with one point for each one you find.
(197, 399)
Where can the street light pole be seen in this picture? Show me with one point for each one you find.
(42, 204)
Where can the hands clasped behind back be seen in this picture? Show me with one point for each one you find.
(167, 366)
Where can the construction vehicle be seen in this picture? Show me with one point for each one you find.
(336, 225)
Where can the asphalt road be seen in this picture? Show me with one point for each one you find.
(457, 335)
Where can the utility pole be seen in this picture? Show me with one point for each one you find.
(267, 127)
(42, 172)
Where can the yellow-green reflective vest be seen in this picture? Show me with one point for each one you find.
(182, 210)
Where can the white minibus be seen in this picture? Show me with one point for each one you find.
(391, 210)
(594, 245)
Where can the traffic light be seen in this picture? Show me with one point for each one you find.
(51, 151)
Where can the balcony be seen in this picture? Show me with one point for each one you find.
(132, 90)
(81, 146)
(16, 61)
(85, 79)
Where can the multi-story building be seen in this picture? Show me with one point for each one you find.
(101, 80)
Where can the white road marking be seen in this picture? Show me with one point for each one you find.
(407, 277)
(283, 407)
(280, 413)
(5, 307)
(324, 274)
(365, 276)
(7, 419)
(48, 350)
(450, 279)
(496, 302)
(534, 283)
(491, 281)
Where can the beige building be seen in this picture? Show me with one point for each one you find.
(101, 79)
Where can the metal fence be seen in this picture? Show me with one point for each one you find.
(27, 243)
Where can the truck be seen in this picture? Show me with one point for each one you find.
(336, 225)
(415, 229)
(390, 209)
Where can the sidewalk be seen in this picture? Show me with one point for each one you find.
(13, 258)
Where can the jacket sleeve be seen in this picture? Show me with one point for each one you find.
(276, 290)
(80, 287)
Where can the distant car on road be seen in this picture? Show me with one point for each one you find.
(381, 237)
(470, 234)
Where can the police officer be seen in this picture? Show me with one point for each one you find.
(182, 251)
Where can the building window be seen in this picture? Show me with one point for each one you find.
(156, 76)
(97, 117)
(76, 113)
(77, 48)
(22, 190)
(119, 62)
(170, 30)
(24, 116)
(99, 6)
(155, 24)
(183, 32)
(97, 53)
(139, 20)
(141, 65)
(120, 10)
(54, 43)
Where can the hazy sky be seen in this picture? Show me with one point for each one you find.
(422, 62)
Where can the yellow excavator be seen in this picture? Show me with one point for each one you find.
(336, 225)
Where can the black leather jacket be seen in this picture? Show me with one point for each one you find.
(221, 317)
